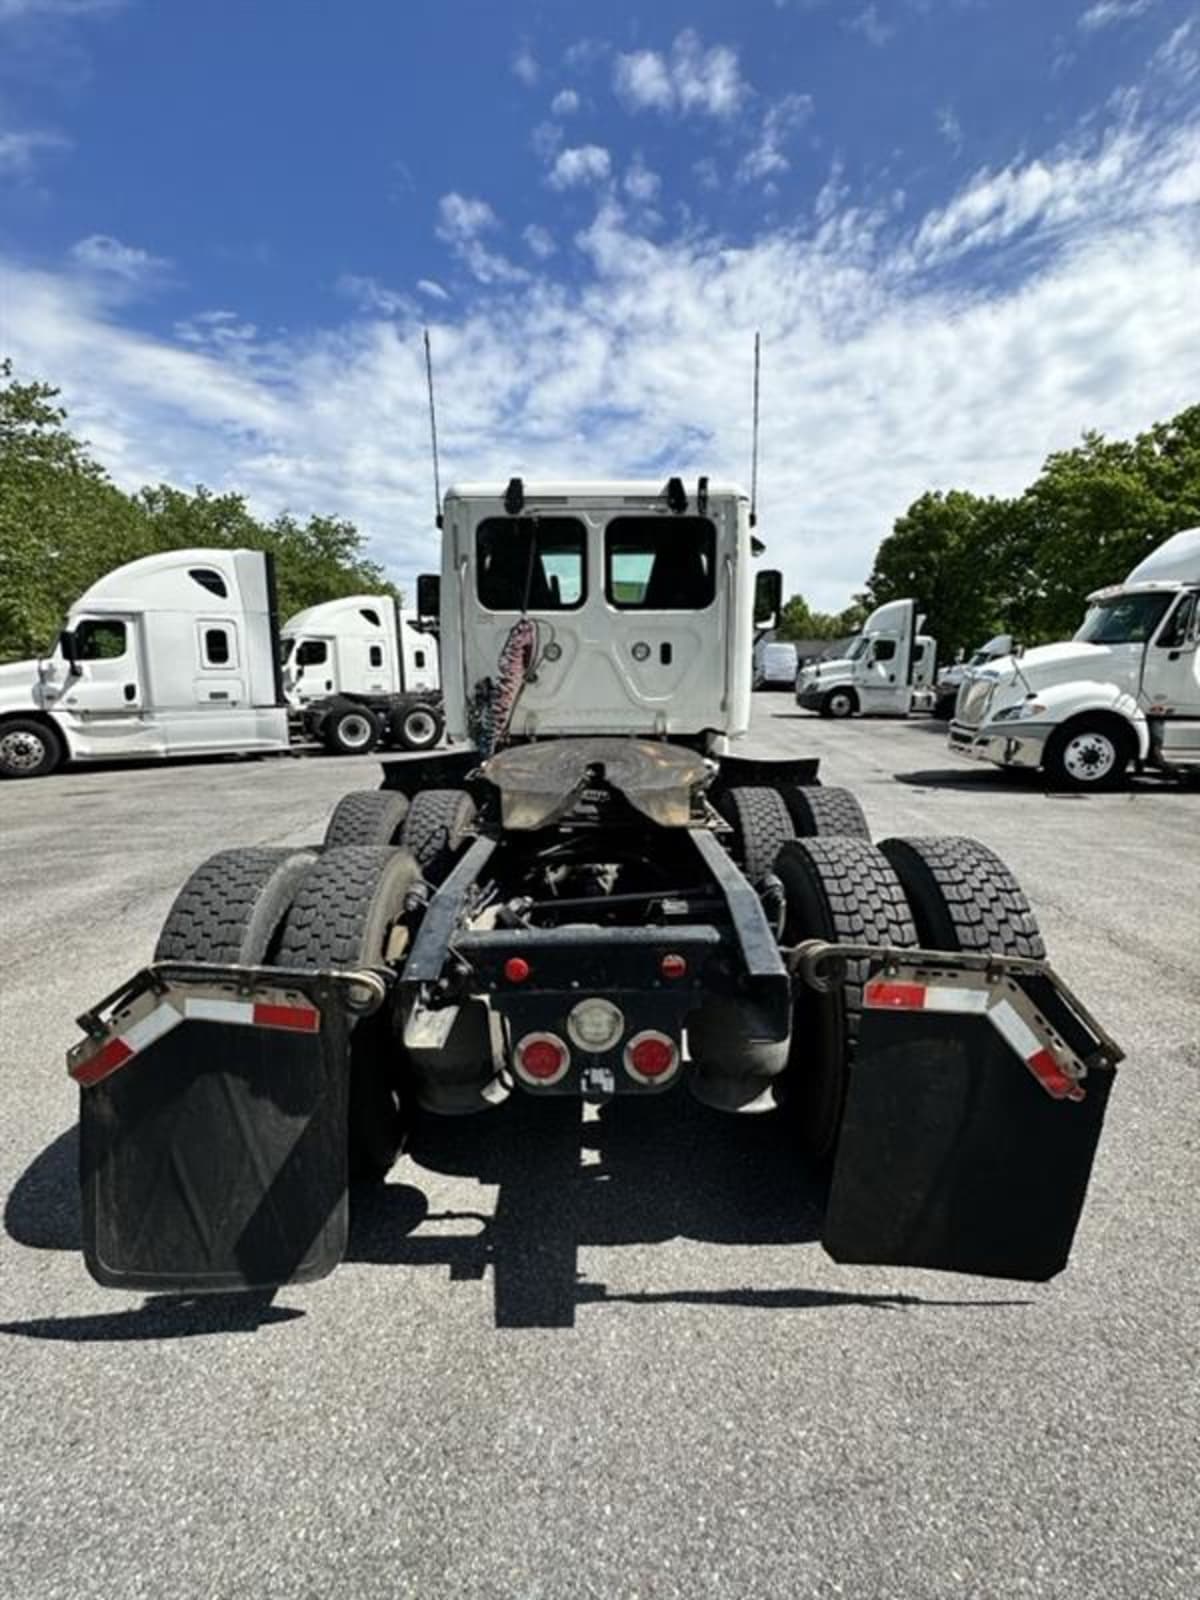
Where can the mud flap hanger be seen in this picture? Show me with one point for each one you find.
(975, 1098)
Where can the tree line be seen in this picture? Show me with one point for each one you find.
(980, 565)
(64, 524)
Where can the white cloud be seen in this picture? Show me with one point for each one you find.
(895, 380)
(461, 221)
(432, 288)
(101, 254)
(1106, 12)
(19, 10)
(540, 240)
(950, 128)
(767, 158)
(524, 66)
(871, 25)
(690, 79)
(582, 164)
(639, 183)
(1179, 54)
(368, 294)
(20, 148)
(565, 103)
(707, 173)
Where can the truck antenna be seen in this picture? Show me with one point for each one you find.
(437, 483)
(754, 444)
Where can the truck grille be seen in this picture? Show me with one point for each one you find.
(972, 703)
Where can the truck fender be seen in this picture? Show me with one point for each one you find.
(1064, 702)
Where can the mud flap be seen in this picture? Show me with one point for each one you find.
(955, 1155)
(213, 1131)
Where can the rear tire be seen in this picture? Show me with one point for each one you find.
(837, 889)
(342, 917)
(231, 909)
(437, 826)
(761, 825)
(350, 731)
(367, 816)
(818, 812)
(963, 897)
(29, 748)
(420, 728)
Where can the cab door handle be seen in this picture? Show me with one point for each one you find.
(131, 691)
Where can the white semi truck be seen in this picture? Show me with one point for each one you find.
(887, 671)
(1125, 691)
(950, 679)
(593, 897)
(180, 654)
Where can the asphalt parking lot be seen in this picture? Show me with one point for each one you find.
(614, 1361)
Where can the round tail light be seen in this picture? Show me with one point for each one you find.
(596, 1025)
(541, 1059)
(650, 1057)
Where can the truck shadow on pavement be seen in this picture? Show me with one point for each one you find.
(637, 1174)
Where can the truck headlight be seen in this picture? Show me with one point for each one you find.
(1027, 708)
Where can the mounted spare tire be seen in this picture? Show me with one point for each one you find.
(350, 730)
(231, 909)
(342, 917)
(836, 889)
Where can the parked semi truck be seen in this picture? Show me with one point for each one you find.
(950, 679)
(887, 671)
(592, 896)
(180, 654)
(1125, 691)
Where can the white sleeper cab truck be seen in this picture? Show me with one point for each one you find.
(951, 679)
(887, 671)
(173, 655)
(360, 672)
(1124, 692)
(590, 898)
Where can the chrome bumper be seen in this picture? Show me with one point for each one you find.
(1021, 744)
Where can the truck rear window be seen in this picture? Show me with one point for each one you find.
(531, 563)
(660, 563)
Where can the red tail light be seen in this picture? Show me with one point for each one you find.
(516, 969)
(650, 1057)
(541, 1058)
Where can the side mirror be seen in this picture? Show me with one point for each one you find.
(768, 598)
(429, 595)
(69, 646)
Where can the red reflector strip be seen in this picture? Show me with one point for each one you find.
(899, 996)
(1052, 1078)
(299, 1019)
(107, 1059)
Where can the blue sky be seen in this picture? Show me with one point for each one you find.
(967, 229)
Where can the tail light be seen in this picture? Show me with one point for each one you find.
(650, 1057)
(541, 1059)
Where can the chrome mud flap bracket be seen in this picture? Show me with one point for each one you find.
(213, 1126)
(973, 1113)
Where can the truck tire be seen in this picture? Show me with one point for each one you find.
(29, 748)
(818, 813)
(342, 917)
(1088, 753)
(761, 824)
(436, 828)
(420, 728)
(231, 909)
(367, 816)
(837, 889)
(350, 730)
(839, 703)
(963, 897)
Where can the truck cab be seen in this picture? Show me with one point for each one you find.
(619, 608)
(173, 654)
(1125, 690)
(887, 671)
(362, 644)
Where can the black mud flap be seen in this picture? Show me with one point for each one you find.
(213, 1131)
(954, 1156)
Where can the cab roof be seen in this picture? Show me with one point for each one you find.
(636, 489)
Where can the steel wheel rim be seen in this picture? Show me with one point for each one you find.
(839, 704)
(22, 751)
(1090, 757)
(420, 727)
(354, 731)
